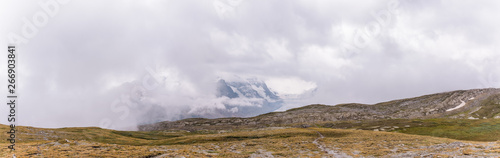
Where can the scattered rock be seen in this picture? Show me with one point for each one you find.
(262, 154)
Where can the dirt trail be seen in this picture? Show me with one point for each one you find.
(333, 153)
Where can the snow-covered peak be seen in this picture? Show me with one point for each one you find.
(254, 90)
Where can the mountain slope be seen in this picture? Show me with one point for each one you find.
(417, 123)
(464, 104)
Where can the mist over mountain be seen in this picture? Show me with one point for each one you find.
(239, 98)
(261, 98)
(243, 98)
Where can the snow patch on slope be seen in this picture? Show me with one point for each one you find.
(260, 90)
(457, 107)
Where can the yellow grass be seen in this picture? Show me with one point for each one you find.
(287, 142)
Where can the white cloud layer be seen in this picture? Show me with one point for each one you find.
(284, 86)
(167, 55)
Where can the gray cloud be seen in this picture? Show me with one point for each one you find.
(92, 53)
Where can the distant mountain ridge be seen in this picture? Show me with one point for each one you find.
(462, 104)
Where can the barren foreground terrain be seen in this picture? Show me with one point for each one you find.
(266, 142)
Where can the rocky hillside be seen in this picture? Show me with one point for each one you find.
(464, 104)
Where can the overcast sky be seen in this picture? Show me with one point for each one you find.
(77, 58)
